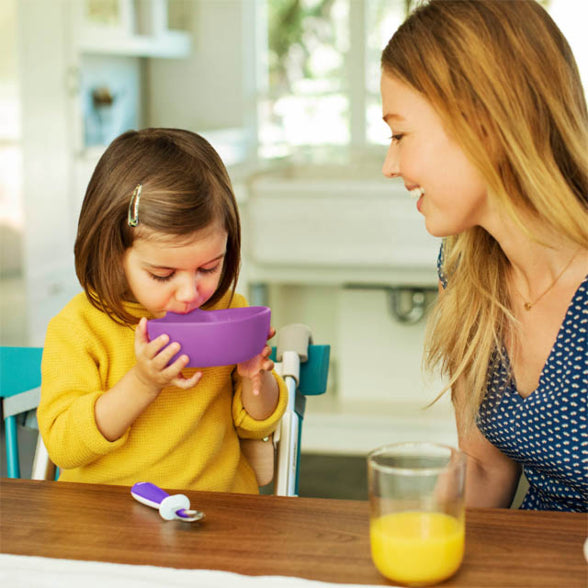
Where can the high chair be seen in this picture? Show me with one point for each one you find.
(303, 366)
(305, 369)
(20, 392)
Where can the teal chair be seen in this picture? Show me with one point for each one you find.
(20, 392)
(20, 381)
(305, 369)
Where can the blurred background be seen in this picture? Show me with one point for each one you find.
(288, 92)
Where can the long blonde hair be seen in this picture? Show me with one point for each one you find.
(504, 81)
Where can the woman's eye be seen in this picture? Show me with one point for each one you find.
(397, 137)
(161, 278)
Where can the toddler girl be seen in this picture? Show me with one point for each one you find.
(158, 231)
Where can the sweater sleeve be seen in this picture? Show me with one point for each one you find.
(250, 428)
(247, 427)
(71, 384)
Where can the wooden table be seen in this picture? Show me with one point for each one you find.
(266, 535)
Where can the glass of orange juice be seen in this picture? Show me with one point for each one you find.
(417, 511)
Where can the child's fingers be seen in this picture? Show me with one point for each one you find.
(141, 332)
(154, 348)
(173, 370)
(271, 333)
(256, 384)
(145, 348)
(142, 326)
(187, 383)
(162, 359)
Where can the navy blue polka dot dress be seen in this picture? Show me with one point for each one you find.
(546, 432)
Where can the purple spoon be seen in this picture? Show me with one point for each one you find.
(176, 506)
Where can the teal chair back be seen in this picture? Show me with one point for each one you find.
(312, 381)
(20, 381)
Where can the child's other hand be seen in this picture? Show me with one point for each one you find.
(153, 357)
(255, 367)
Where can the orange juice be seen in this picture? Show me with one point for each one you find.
(417, 548)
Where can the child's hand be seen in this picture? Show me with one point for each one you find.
(153, 357)
(255, 367)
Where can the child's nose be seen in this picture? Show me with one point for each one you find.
(188, 288)
(390, 168)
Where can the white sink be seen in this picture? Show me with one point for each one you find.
(344, 224)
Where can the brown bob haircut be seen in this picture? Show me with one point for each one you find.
(185, 188)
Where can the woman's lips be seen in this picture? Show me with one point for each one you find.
(419, 193)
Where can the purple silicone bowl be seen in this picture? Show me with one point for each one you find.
(216, 337)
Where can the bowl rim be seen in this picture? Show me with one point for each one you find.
(174, 318)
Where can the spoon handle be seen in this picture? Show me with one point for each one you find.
(171, 507)
(149, 494)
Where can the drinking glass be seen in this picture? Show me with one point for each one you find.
(417, 511)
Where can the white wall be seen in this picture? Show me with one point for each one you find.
(49, 227)
(9, 119)
(11, 213)
(378, 392)
(206, 90)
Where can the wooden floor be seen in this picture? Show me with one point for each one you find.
(333, 476)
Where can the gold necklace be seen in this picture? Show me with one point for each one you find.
(528, 305)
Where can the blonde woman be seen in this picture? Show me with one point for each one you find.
(489, 131)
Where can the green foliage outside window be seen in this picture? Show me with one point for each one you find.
(296, 27)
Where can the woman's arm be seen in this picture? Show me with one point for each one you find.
(491, 477)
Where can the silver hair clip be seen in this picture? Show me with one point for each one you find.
(133, 217)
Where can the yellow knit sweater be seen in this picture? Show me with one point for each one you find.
(184, 439)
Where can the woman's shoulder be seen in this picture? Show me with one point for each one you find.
(576, 318)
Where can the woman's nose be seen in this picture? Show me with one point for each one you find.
(390, 168)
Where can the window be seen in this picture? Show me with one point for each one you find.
(321, 72)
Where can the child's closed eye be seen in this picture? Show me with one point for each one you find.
(165, 278)
(202, 270)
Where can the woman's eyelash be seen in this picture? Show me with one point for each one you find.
(397, 137)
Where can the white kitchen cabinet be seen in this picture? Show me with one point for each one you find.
(56, 40)
(126, 27)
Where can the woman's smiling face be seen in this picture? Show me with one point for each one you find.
(452, 193)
